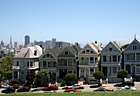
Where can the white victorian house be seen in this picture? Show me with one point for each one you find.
(132, 59)
(26, 63)
(88, 62)
(111, 57)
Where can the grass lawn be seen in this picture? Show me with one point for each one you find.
(119, 93)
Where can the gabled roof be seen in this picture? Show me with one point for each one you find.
(95, 47)
(28, 52)
(73, 49)
(135, 40)
(114, 44)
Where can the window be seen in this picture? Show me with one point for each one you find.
(35, 52)
(114, 58)
(138, 56)
(48, 55)
(110, 49)
(110, 58)
(135, 47)
(69, 62)
(49, 64)
(31, 64)
(114, 70)
(119, 58)
(96, 61)
(17, 63)
(87, 60)
(82, 60)
(130, 56)
(91, 60)
(87, 51)
(91, 71)
(44, 63)
(104, 58)
(15, 74)
(66, 53)
(28, 64)
(54, 64)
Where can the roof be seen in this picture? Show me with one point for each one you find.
(117, 46)
(28, 52)
(95, 47)
(55, 51)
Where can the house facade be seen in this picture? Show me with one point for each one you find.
(67, 61)
(111, 57)
(132, 59)
(26, 63)
(48, 61)
(89, 62)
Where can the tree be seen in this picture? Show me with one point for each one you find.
(42, 78)
(6, 66)
(122, 73)
(124, 46)
(98, 75)
(70, 79)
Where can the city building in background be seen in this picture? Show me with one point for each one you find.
(27, 40)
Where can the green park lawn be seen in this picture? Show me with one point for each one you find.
(119, 93)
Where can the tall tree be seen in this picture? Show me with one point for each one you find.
(98, 75)
(6, 68)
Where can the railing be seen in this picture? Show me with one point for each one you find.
(16, 67)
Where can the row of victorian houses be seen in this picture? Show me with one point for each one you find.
(81, 61)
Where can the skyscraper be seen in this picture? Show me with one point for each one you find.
(27, 40)
(10, 45)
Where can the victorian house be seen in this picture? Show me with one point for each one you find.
(89, 58)
(111, 57)
(67, 61)
(48, 61)
(26, 63)
(132, 59)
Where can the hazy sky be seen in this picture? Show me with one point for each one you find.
(82, 21)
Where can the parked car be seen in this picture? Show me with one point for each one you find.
(103, 89)
(51, 88)
(4, 86)
(72, 90)
(9, 90)
(126, 88)
(125, 84)
(24, 89)
(77, 86)
(36, 90)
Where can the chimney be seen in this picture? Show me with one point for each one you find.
(95, 42)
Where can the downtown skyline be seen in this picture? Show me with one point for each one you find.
(82, 21)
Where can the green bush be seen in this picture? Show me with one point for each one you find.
(70, 79)
(15, 82)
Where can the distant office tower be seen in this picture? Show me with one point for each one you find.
(53, 42)
(16, 45)
(2, 43)
(10, 45)
(27, 40)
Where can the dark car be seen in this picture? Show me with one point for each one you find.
(24, 89)
(9, 90)
(125, 84)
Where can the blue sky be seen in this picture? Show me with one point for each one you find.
(82, 21)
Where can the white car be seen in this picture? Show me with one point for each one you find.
(126, 88)
(77, 86)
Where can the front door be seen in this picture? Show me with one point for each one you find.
(105, 71)
(82, 73)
